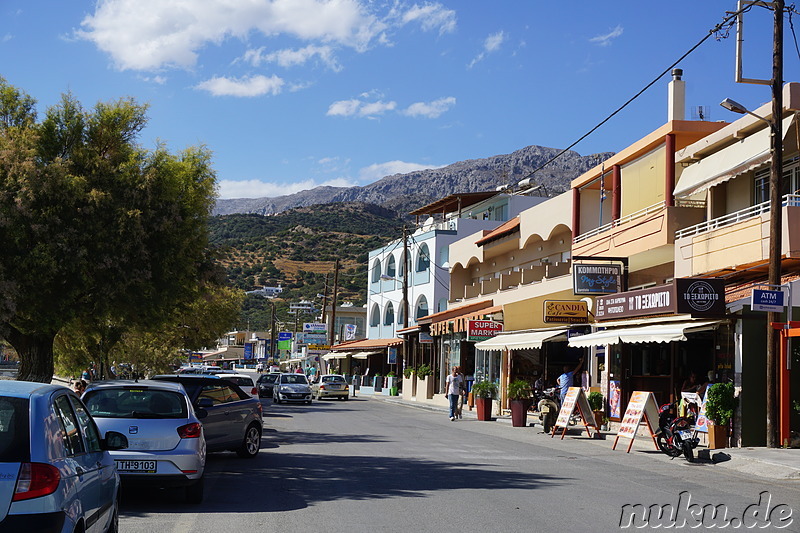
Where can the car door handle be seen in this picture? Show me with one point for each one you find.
(79, 471)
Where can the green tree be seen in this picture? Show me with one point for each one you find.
(91, 224)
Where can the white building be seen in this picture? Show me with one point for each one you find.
(428, 277)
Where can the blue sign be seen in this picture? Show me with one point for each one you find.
(770, 301)
(392, 355)
(248, 350)
(285, 336)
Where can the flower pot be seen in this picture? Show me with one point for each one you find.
(519, 413)
(484, 408)
(598, 417)
(717, 436)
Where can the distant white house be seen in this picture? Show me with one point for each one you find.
(267, 292)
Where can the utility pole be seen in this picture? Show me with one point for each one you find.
(332, 332)
(325, 299)
(405, 296)
(775, 220)
(273, 344)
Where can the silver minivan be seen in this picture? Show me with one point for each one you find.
(55, 471)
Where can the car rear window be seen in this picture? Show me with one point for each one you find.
(135, 403)
(241, 381)
(14, 433)
(327, 379)
(268, 378)
(294, 378)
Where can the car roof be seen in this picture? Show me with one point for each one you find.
(24, 389)
(187, 376)
(130, 383)
(223, 376)
(328, 375)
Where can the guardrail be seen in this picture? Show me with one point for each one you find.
(649, 210)
(789, 200)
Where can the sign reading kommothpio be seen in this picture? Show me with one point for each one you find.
(593, 278)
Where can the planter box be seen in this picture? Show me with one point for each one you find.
(409, 387)
(519, 412)
(717, 436)
(425, 387)
(483, 407)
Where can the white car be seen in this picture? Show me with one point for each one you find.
(244, 381)
(291, 388)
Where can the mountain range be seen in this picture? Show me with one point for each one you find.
(403, 193)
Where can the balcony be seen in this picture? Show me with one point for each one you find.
(736, 239)
(535, 277)
(646, 229)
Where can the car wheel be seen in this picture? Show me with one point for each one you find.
(113, 527)
(194, 492)
(251, 443)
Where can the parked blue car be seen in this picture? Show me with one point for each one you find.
(55, 470)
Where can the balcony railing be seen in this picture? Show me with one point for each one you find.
(655, 208)
(789, 200)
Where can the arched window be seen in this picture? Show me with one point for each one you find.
(388, 317)
(375, 316)
(391, 269)
(400, 314)
(423, 259)
(376, 271)
(421, 308)
(401, 267)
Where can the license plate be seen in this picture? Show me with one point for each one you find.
(148, 467)
(685, 435)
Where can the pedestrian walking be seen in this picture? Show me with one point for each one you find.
(453, 388)
(462, 394)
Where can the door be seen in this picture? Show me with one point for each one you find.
(220, 426)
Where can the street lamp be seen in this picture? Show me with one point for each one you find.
(775, 246)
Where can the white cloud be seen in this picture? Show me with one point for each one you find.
(244, 87)
(360, 108)
(605, 40)
(491, 44)
(432, 17)
(154, 34)
(377, 171)
(430, 109)
(7, 37)
(288, 57)
(261, 189)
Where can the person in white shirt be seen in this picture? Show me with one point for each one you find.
(453, 389)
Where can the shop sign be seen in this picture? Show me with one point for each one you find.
(481, 330)
(566, 311)
(593, 278)
(248, 350)
(698, 297)
(770, 301)
(425, 338)
(314, 327)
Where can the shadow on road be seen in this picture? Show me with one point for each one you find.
(285, 482)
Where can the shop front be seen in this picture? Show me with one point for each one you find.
(689, 343)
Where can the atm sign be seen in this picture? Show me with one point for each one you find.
(480, 330)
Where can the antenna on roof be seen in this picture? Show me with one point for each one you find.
(701, 112)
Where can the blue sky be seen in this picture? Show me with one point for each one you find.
(293, 94)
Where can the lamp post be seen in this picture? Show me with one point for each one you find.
(776, 215)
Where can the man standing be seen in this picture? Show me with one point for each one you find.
(453, 388)
(565, 379)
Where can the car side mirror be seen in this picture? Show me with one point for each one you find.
(200, 413)
(114, 440)
(205, 403)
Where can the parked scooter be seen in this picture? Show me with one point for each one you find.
(676, 435)
(548, 407)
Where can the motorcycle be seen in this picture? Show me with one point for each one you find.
(675, 434)
(548, 407)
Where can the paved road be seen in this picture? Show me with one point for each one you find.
(370, 465)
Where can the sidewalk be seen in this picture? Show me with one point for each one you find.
(772, 463)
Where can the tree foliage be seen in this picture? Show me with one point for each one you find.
(93, 227)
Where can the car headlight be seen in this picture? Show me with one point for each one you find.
(284, 388)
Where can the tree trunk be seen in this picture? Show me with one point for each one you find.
(35, 355)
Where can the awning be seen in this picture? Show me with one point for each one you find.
(519, 341)
(364, 355)
(294, 360)
(731, 161)
(675, 331)
(335, 355)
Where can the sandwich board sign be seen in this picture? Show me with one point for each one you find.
(575, 398)
(642, 405)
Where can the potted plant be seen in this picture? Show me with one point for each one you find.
(720, 405)
(408, 372)
(409, 383)
(519, 392)
(596, 403)
(391, 383)
(424, 381)
(484, 392)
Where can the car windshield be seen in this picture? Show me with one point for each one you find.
(268, 378)
(297, 379)
(14, 439)
(328, 379)
(135, 403)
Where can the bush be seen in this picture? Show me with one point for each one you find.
(484, 389)
(595, 401)
(519, 390)
(424, 371)
(408, 372)
(720, 403)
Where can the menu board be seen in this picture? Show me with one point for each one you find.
(642, 405)
(575, 397)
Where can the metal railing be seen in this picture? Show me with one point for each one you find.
(789, 200)
(649, 210)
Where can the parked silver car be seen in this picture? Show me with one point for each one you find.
(291, 388)
(330, 386)
(55, 470)
(166, 446)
